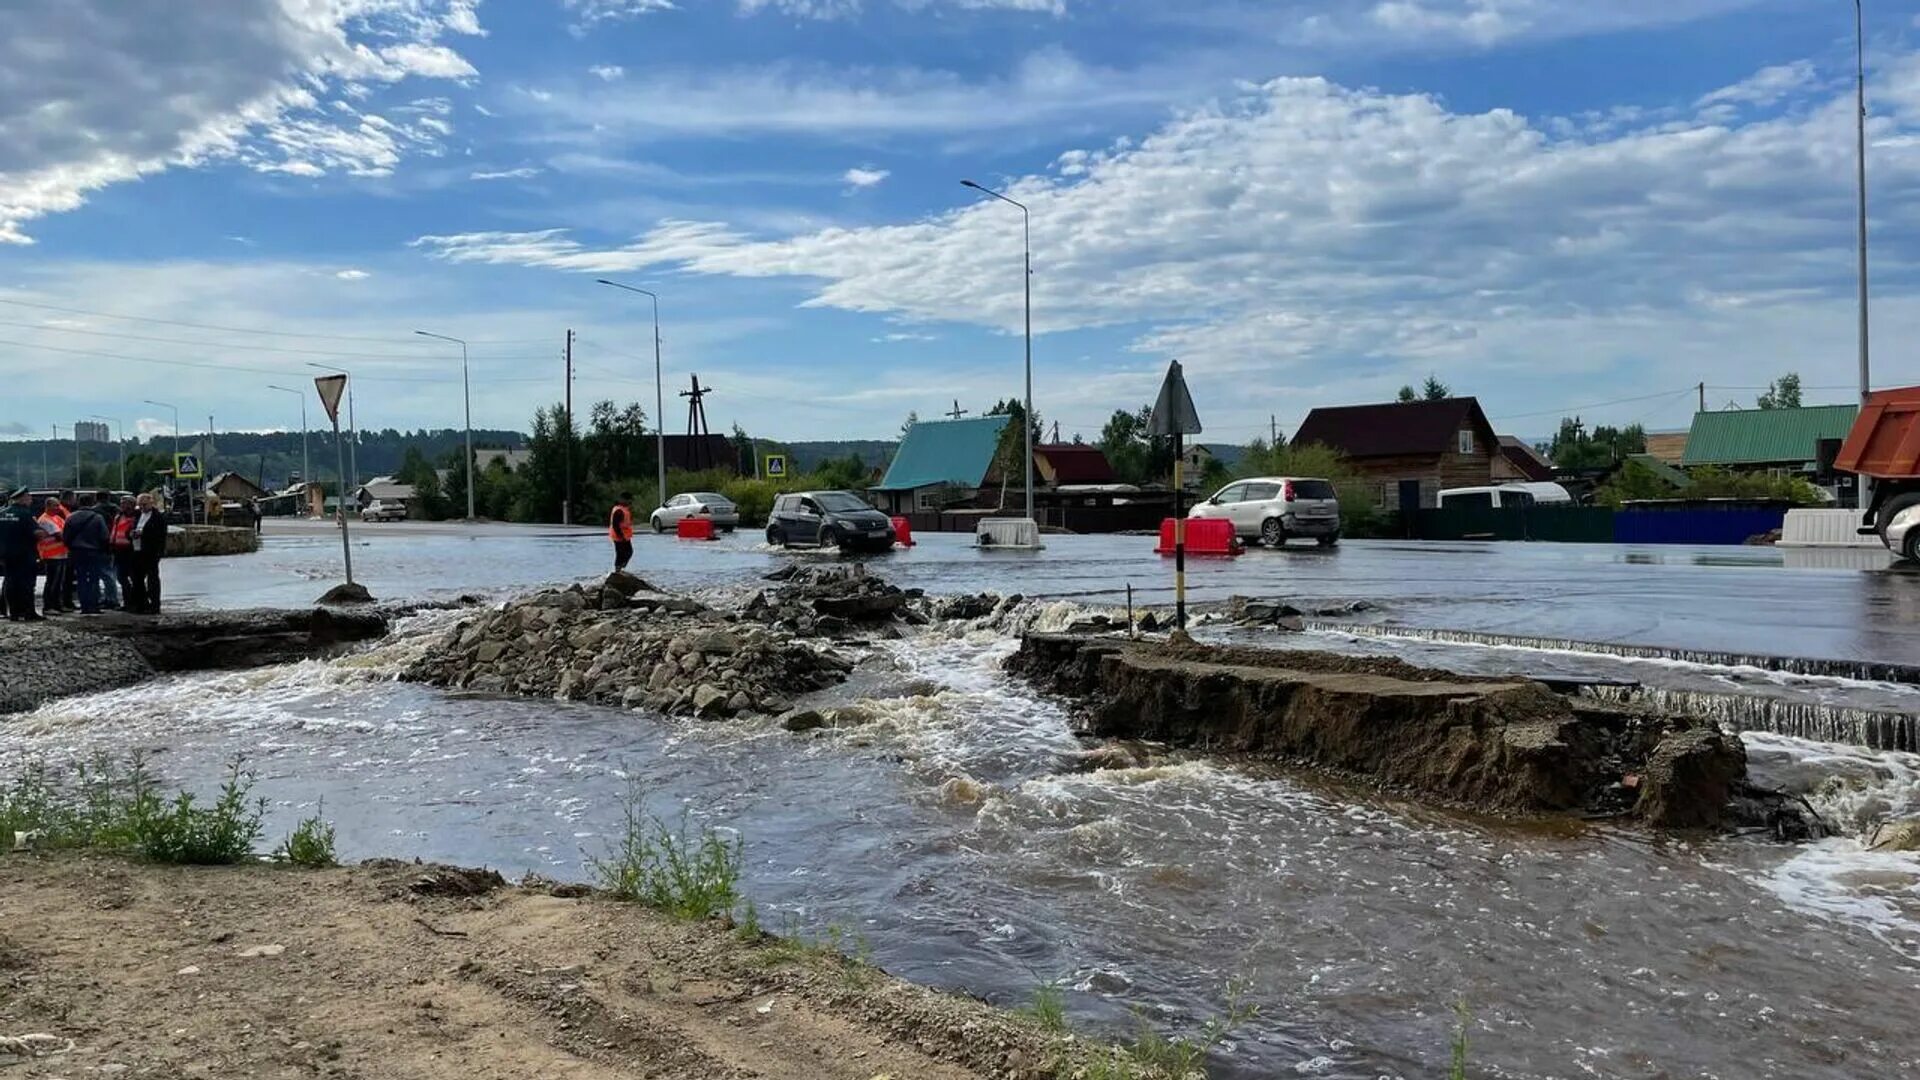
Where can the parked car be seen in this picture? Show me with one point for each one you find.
(707, 504)
(828, 519)
(384, 510)
(1275, 509)
(1499, 495)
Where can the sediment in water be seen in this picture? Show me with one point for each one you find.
(1496, 744)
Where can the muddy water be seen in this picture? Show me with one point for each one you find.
(945, 834)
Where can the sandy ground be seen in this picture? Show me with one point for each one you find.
(398, 970)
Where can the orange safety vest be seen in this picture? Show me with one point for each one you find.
(51, 547)
(123, 532)
(620, 524)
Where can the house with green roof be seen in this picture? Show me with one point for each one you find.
(940, 463)
(1758, 440)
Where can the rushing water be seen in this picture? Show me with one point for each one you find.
(947, 834)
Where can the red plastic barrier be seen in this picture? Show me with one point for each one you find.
(903, 532)
(1205, 536)
(695, 528)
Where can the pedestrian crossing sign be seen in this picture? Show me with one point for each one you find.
(776, 466)
(186, 466)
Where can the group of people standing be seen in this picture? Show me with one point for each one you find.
(94, 554)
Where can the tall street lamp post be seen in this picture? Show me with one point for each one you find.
(466, 392)
(659, 394)
(306, 477)
(1026, 218)
(1860, 170)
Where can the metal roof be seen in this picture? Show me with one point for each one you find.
(1765, 436)
(945, 452)
(1396, 428)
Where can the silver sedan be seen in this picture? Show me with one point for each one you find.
(707, 504)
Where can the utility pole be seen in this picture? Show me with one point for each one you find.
(697, 430)
(1860, 134)
(566, 506)
(1703, 397)
(1273, 431)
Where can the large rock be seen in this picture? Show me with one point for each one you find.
(1900, 834)
(1690, 777)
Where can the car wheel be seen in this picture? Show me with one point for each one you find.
(1910, 549)
(775, 538)
(658, 525)
(829, 536)
(1273, 533)
(1330, 541)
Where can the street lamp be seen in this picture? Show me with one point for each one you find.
(1026, 219)
(305, 476)
(659, 395)
(1860, 165)
(353, 431)
(120, 437)
(466, 391)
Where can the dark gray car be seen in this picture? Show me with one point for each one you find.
(828, 519)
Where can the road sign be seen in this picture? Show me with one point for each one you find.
(776, 466)
(186, 466)
(331, 387)
(1173, 412)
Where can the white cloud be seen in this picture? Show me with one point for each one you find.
(352, 275)
(1437, 25)
(100, 92)
(1764, 87)
(840, 9)
(608, 72)
(1307, 222)
(865, 178)
(589, 13)
(521, 173)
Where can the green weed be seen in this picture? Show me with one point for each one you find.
(178, 831)
(1153, 1056)
(1463, 1016)
(1048, 1007)
(310, 845)
(122, 810)
(687, 874)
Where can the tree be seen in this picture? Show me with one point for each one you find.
(415, 469)
(1012, 449)
(1435, 390)
(1574, 448)
(913, 417)
(1782, 393)
(1136, 457)
(543, 479)
(1408, 395)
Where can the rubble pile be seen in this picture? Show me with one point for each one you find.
(834, 599)
(626, 643)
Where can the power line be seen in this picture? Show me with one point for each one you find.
(1571, 409)
(211, 366)
(222, 345)
(389, 340)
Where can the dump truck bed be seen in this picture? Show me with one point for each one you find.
(1885, 441)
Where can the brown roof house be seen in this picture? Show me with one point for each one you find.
(1518, 461)
(1411, 449)
(1072, 465)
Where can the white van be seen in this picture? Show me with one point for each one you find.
(1515, 494)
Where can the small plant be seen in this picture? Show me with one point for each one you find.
(1048, 1007)
(851, 954)
(747, 928)
(685, 874)
(28, 806)
(1154, 1056)
(1463, 1017)
(310, 845)
(180, 832)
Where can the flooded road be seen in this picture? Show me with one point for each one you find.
(946, 834)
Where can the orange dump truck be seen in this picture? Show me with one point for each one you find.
(1884, 447)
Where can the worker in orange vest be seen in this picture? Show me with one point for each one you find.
(620, 531)
(53, 558)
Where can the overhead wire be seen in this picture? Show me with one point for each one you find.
(212, 366)
(387, 340)
(250, 348)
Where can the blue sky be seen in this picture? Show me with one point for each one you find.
(1555, 205)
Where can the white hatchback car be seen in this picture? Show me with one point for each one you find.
(1275, 509)
(707, 504)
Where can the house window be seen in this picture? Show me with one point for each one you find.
(1466, 441)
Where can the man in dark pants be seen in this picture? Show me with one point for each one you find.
(20, 546)
(109, 511)
(123, 551)
(87, 540)
(620, 531)
(149, 538)
(69, 585)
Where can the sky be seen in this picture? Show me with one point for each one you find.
(1558, 206)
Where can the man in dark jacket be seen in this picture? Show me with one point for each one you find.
(149, 538)
(19, 546)
(87, 540)
(109, 511)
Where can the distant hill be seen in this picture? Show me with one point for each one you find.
(808, 455)
(1226, 454)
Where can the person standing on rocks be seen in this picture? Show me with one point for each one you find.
(87, 539)
(53, 558)
(149, 537)
(20, 547)
(620, 530)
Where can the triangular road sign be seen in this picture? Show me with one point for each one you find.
(331, 387)
(1173, 412)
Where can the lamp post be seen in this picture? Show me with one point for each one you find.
(306, 477)
(120, 437)
(659, 394)
(353, 431)
(1860, 170)
(1026, 218)
(467, 393)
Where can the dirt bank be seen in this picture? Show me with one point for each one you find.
(397, 970)
(1494, 744)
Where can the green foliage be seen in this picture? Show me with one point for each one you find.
(1137, 457)
(1007, 457)
(178, 831)
(748, 925)
(690, 875)
(1633, 481)
(1713, 482)
(1408, 395)
(1435, 390)
(310, 845)
(1048, 1007)
(1153, 1056)
(105, 807)
(433, 504)
(1360, 512)
(1458, 1068)
(1782, 393)
(1574, 448)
